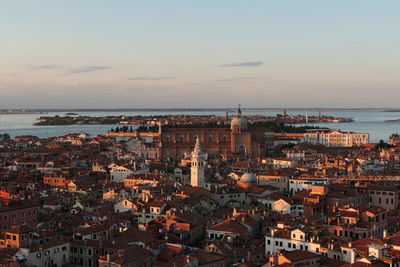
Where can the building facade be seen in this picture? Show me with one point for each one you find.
(336, 138)
(239, 139)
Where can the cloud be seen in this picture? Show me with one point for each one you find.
(146, 78)
(85, 69)
(235, 79)
(47, 67)
(244, 64)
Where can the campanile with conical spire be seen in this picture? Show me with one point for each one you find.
(198, 165)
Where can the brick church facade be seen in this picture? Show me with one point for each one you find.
(239, 139)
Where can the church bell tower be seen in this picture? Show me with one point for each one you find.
(198, 164)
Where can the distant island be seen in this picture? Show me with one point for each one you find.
(5, 112)
(180, 119)
(223, 109)
(68, 120)
(395, 120)
(392, 110)
(71, 114)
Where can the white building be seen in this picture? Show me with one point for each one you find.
(119, 173)
(123, 206)
(301, 238)
(300, 184)
(143, 148)
(52, 253)
(336, 138)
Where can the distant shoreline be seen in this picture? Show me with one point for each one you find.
(43, 111)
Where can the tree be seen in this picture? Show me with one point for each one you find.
(382, 145)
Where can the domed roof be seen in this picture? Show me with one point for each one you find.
(238, 122)
(248, 178)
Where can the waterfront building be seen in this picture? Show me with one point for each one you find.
(336, 138)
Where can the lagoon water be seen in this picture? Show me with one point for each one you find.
(365, 122)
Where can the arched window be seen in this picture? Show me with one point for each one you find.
(210, 138)
(242, 150)
(167, 138)
(181, 139)
(224, 138)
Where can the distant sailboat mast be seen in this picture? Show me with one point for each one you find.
(306, 117)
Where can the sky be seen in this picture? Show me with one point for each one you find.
(199, 54)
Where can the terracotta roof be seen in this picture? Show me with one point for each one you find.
(229, 226)
(298, 255)
(208, 257)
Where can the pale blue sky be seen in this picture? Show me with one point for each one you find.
(97, 53)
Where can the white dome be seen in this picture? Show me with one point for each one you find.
(239, 122)
(248, 178)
